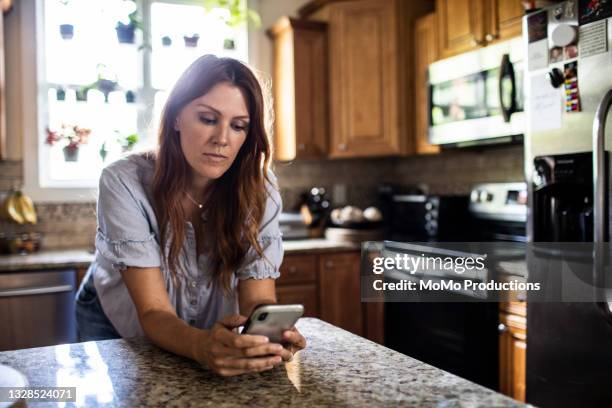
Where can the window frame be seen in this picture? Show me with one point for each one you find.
(33, 112)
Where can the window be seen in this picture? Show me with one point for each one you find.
(102, 84)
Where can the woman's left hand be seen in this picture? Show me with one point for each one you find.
(293, 341)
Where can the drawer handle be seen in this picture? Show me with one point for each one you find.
(329, 264)
(502, 328)
(44, 290)
(293, 270)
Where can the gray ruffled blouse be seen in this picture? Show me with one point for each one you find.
(128, 236)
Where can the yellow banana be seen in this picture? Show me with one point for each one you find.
(13, 210)
(26, 207)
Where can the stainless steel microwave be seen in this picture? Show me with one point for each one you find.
(477, 97)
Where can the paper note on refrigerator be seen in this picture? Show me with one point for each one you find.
(545, 104)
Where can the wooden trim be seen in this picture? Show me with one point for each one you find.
(2, 87)
(284, 23)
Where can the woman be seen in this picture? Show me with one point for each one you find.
(206, 196)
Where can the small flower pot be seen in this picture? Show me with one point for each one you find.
(71, 153)
(229, 44)
(166, 41)
(191, 42)
(60, 95)
(125, 33)
(81, 95)
(130, 97)
(66, 31)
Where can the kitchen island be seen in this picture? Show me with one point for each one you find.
(337, 369)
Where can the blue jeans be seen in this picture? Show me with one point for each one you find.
(92, 323)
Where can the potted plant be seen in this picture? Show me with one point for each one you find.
(81, 93)
(60, 95)
(127, 142)
(66, 29)
(191, 41)
(130, 97)
(126, 27)
(73, 136)
(236, 15)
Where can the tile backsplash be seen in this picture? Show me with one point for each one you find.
(353, 181)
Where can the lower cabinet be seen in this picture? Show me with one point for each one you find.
(340, 292)
(512, 349)
(328, 285)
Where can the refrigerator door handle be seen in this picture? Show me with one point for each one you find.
(600, 181)
(506, 75)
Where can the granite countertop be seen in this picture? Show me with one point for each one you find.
(81, 258)
(337, 369)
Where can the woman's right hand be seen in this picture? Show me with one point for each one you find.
(228, 353)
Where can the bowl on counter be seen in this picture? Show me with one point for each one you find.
(20, 242)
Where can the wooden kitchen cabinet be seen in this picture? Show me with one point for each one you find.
(426, 52)
(300, 88)
(298, 283)
(512, 349)
(505, 19)
(340, 293)
(464, 25)
(364, 79)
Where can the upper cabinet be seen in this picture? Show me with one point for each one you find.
(505, 19)
(364, 79)
(300, 89)
(464, 25)
(425, 52)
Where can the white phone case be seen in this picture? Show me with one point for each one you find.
(272, 320)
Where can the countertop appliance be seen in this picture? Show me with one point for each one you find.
(477, 97)
(460, 336)
(569, 92)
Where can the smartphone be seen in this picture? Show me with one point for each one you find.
(272, 320)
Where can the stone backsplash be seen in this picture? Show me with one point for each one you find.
(354, 181)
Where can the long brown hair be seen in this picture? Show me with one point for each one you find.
(237, 199)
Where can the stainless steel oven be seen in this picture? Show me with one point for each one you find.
(37, 308)
(477, 97)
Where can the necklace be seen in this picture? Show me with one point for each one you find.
(194, 201)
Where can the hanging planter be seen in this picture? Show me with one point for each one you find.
(125, 33)
(71, 153)
(191, 42)
(66, 31)
(166, 41)
(106, 86)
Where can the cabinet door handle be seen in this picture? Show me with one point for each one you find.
(329, 264)
(490, 37)
(43, 290)
(292, 270)
(502, 328)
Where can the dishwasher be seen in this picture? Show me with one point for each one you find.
(37, 308)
